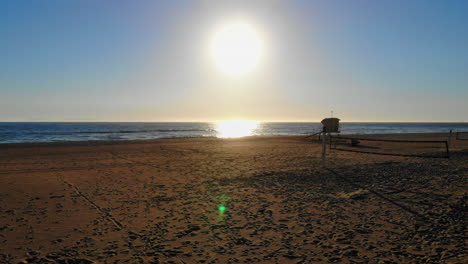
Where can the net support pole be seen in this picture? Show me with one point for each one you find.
(324, 148)
(450, 137)
(448, 149)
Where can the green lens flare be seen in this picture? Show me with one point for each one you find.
(222, 208)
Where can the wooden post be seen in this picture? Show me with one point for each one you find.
(450, 137)
(324, 148)
(448, 150)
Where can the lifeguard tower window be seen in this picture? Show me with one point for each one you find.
(331, 125)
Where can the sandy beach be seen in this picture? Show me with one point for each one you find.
(162, 201)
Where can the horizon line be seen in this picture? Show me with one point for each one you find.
(268, 121)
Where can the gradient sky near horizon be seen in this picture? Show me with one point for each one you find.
(399, 60)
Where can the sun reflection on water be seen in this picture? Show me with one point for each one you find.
(235, 128)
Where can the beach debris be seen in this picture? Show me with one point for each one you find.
(355, 142)
(356, 195)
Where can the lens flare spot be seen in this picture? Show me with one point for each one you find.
(222, 208)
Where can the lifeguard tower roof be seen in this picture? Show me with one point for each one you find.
(331, 125)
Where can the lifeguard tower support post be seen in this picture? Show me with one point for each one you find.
(330, 125)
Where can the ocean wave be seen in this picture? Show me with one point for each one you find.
(111, 132)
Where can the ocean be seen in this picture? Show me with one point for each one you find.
(13, 132)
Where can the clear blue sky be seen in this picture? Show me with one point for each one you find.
(368, 60)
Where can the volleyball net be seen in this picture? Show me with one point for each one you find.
(461, 136)
(391, 147)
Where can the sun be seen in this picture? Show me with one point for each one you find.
(236, 48)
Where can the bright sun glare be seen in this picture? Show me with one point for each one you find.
(234, 129)
(236, 48)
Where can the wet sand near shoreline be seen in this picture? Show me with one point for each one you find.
(157, 201)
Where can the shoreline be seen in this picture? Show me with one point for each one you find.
(143, 141)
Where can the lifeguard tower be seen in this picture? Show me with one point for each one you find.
(330, 125)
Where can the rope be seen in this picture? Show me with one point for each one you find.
(316, 133)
